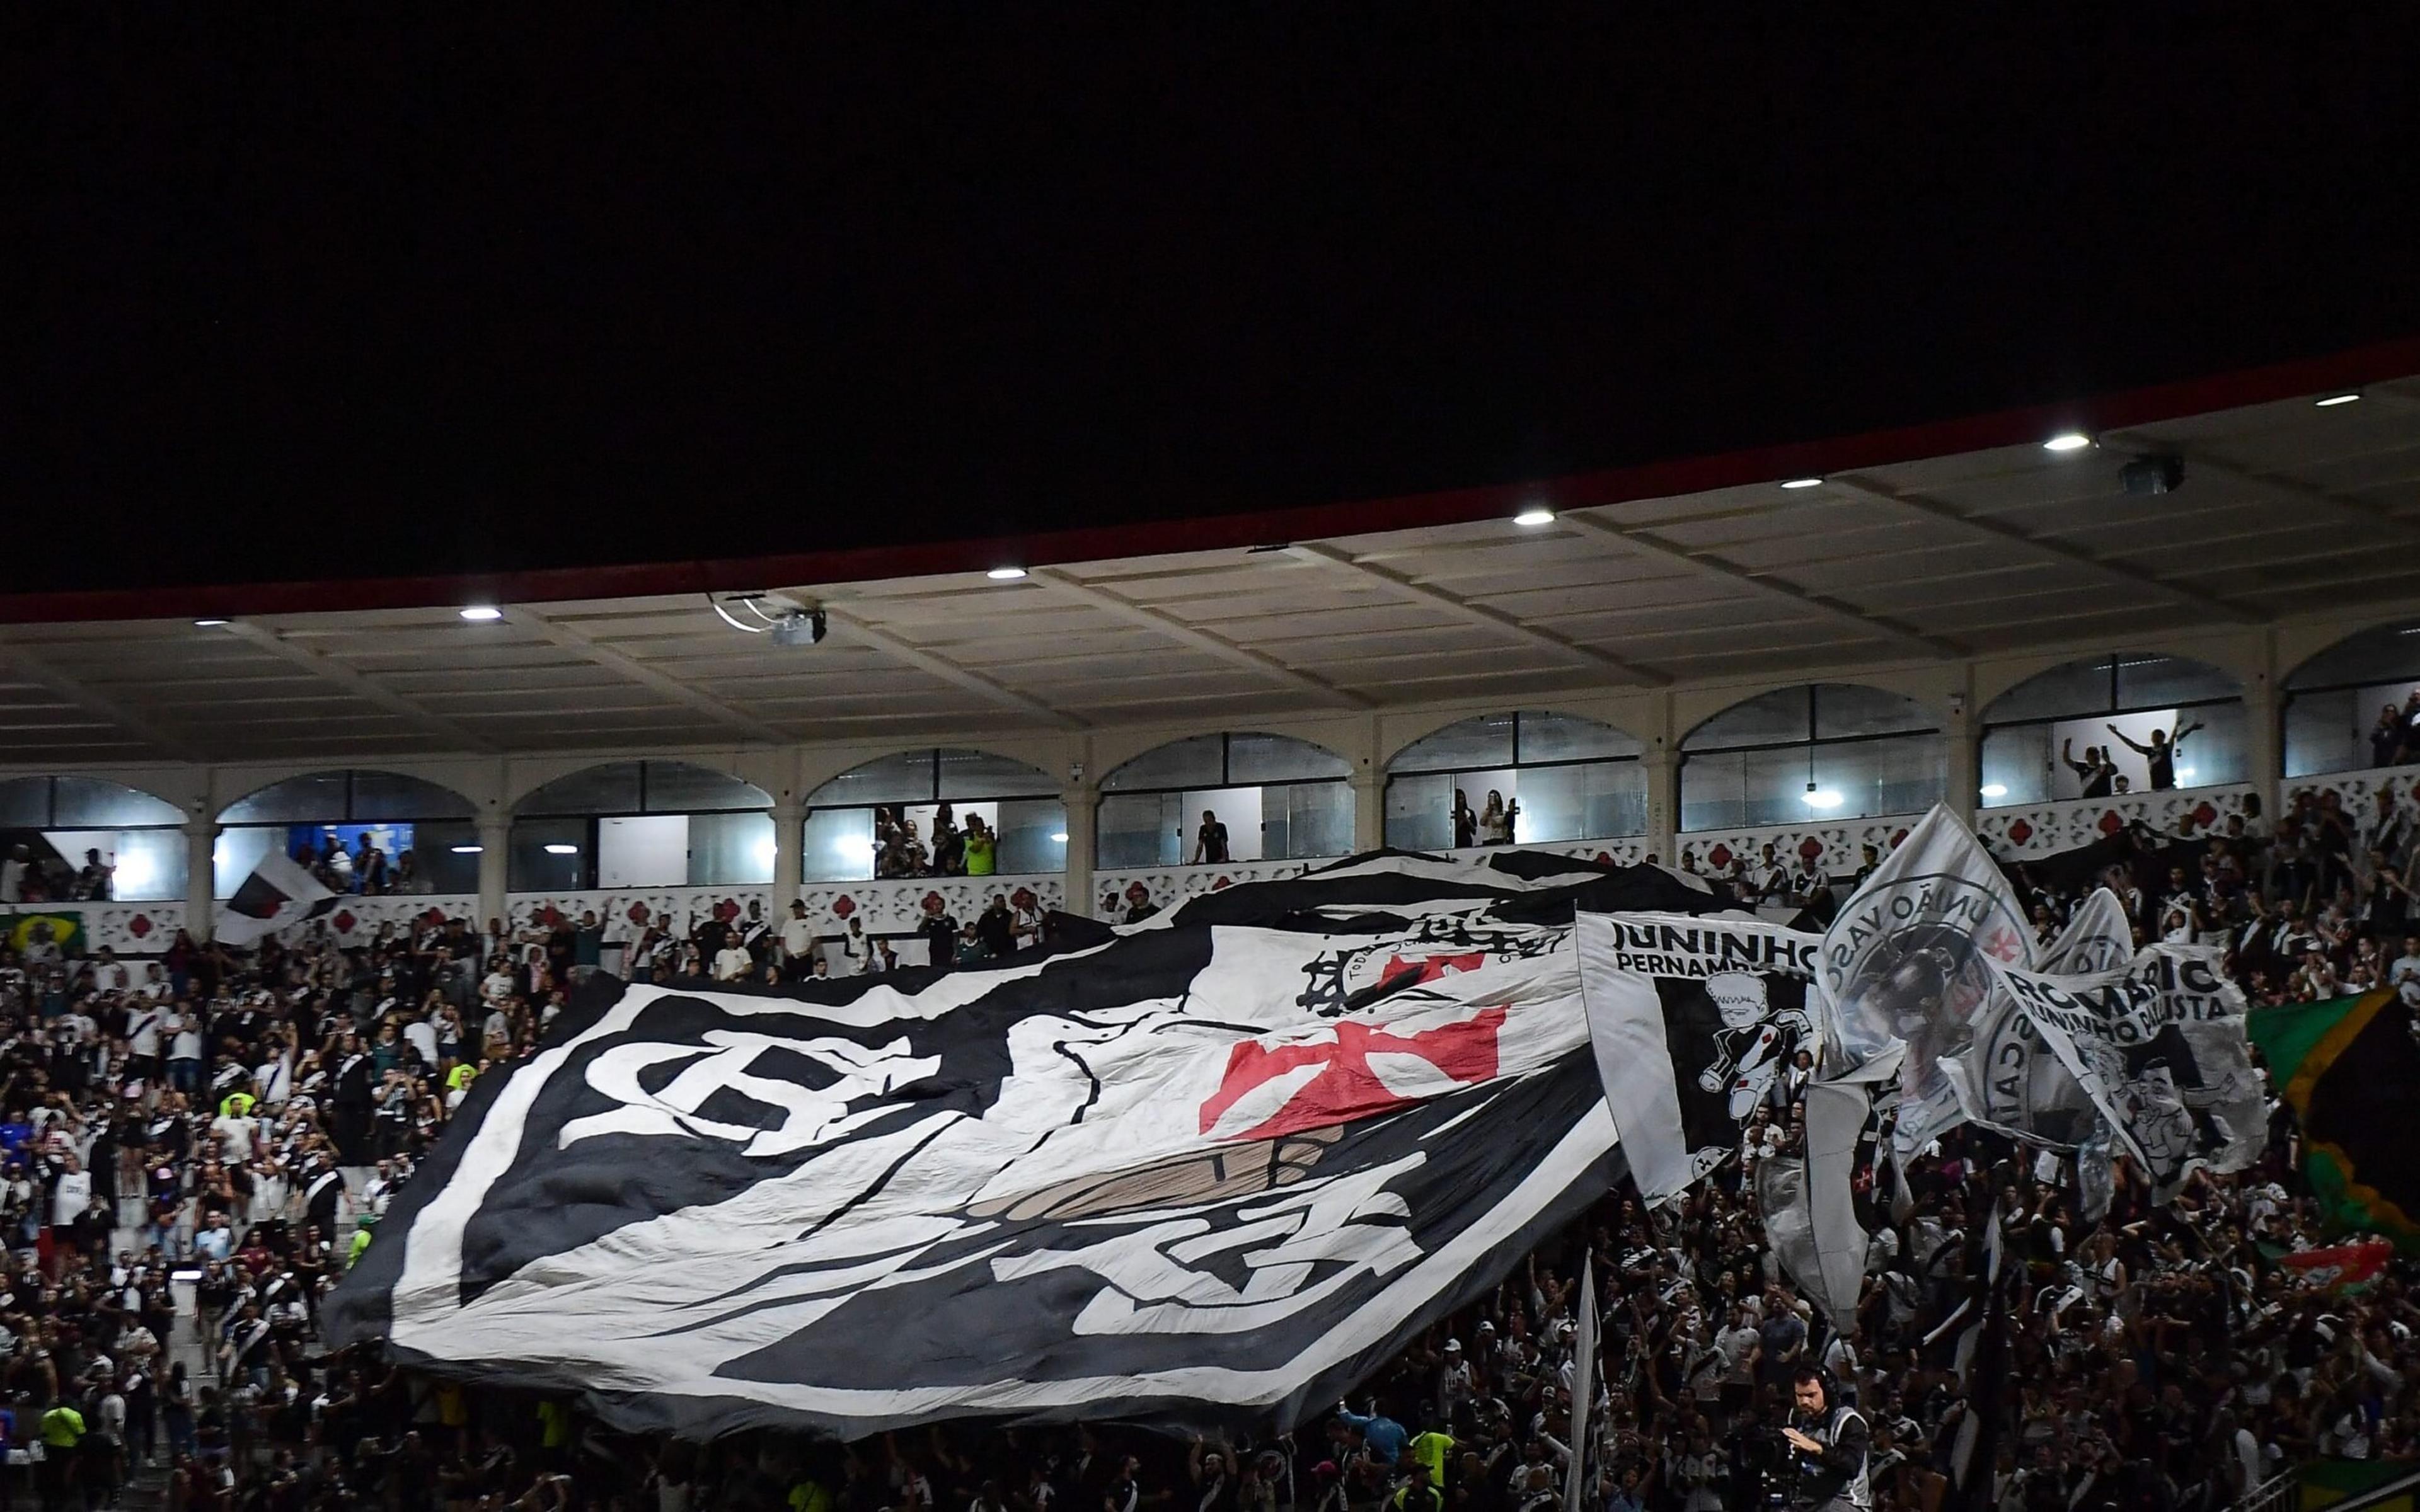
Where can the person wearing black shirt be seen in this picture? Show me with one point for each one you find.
(2160, 756)
(1831, 1440)
(2095, 771)
(997, 928)
(939, 930)
(1210, 841)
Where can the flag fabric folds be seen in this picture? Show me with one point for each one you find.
(277, 895)
(1693, 1022)
(1907, 969)
(2159, 1048)
(2347, 1068)
(1215, 1169)
(1584, 1351)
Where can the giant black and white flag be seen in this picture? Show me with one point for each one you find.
(2007, 1079)
(277, 895)
(2160, 1048)
(1201, 1173)
(1695, 1023)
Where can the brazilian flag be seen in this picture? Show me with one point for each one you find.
(2347, 1067)
(66, 929)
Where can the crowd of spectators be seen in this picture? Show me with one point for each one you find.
(239, 1120)
(970, 849)
(365, 870)
(31, 876)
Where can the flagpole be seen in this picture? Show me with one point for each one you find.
(1583, 1386)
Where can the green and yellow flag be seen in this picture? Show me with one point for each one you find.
(2348, 1067)
(66, 929)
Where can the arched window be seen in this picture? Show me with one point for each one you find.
(1561, 778)
(886, 818)
(137, 840)
(642, 825)
(2039, 734)
(1277, 797)
(361, 829)
(1820, 750)
(2337, 703)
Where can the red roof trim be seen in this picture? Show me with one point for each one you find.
(2137, 407)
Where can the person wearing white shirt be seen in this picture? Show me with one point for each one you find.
(73, 1195)
(798, 940)
(732, 963)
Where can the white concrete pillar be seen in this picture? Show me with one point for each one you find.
(1961, 738)
(789, 819)
(2264, 754)
(1368, 808)
(1663, 801)
(495, 867)
(201, 876)
(1083, 800)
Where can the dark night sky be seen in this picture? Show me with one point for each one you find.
(382, 295)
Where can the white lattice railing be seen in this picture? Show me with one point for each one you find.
(1837, 844)
(2025, 831)
(1116, 892)
(887, 907)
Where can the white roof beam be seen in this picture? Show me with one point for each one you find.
(1480, 614)
(1708, 564)
(32, 665)
(2044, 546)
(1162, 622)
(612, 658)
(328, 668)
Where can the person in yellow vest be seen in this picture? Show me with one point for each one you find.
(237, 1104)
(810, 1495)
(361, 1240)
(62, 1431)
(554, 1433)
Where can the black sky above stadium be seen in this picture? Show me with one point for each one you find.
(368, 291)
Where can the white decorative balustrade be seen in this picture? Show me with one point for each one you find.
(2025, 831)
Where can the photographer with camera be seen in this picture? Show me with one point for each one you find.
(1830, 1439)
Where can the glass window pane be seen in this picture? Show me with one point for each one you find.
(149, 863)
(547, 855)
(902, 777)
(1546, 736)
(610, 788)
(642, 850)
(2330, 732)
(1714, 792)
(2144, 681)
(1780, 715)
(1138, 829)
(2060, 693)
(839, 845)
(306, 799)
(683, 787)
(1193, 762)
(2017, 761)
(1487, 741)
(1032, 836)
(1853, 709)
(1420, 812)
(2219, 750)
(438, 863)
(24, 803)
(1306, 820)
(1591, 800)
(393, 796)
(979, 774)
(1261, 758)
(237, 852)
(730, 848)
(1874, 777)
(2390, 654)
(88, 803)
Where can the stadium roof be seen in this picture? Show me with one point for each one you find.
(1972, 539)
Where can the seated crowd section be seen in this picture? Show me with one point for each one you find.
(196, 1146)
